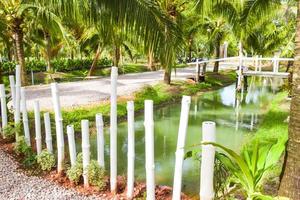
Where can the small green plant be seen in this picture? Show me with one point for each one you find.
(96, 174)
(75, 172)
(249, 168)
(21, 147)
(12, 131)
(46, 160)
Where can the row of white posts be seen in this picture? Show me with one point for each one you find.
(208, 131)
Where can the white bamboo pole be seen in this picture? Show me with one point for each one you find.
(47, 123)
(72, 146)
(131, 151)
(25, 117)
(18, 94)
(3, 107)
(183, 124)
(113, 130)
(85, 150)
(59, 127)
(12, 90)
(207, 161)
(100, 140)
(149, 150)
(239, 84)
(37, 122)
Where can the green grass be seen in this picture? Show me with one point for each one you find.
(273, 127)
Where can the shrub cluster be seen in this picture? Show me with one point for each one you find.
(46, 160)
(95, 173)
(12, 130)
(22, 149)
(61, 65)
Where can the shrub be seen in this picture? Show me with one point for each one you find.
(75, 172)
(46, 160)
(96, 174)
(21, 147)
(62, 65)
(12, 131)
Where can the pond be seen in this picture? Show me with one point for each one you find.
(236, 117)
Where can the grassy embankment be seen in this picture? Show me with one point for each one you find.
(273, 126)
(159, 93)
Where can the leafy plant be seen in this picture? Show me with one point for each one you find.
(21, 147)
(96, 174)
(75, 172)
(12, 130)
(46, 160)
(249, 168)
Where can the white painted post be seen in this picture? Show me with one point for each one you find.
(239, 85)
(85, 150)
(252, 122)
(100, 140)
(59, 128)
(207, 161)
(25, 117)
(197, 70)
(37, 122)
(183, 124)
(131, 151)
(12, 90)
(256, 63)
(260, 63)
(48, 132)
(72, 146)
(18, 94)
(225, 49)
(149, 150)
(113, 130)
(3, 107)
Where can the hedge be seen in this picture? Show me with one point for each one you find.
(61, 65)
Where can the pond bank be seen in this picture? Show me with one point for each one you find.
(160, 93)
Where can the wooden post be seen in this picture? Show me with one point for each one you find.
(59, 128)
(12, 90)
(183, 124)
(18, 94)
(149, 150)
(72, 146)
(85, 151)
(100, 140)
(48, 132)
(37, 122)
(207, 161)
(113, 130)
(25, 117)
(131, 151)
(3, 107)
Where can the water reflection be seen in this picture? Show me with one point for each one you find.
(236, 116)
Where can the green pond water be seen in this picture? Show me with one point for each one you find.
(236, 118)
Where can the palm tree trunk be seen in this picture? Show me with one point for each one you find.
(48, 50)
(190, 50)
(151, 60)
(290, 182)
(20, 51)
(117, 56)
(167, 76)
(94, 64)
(216, 66)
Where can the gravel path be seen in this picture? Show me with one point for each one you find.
(14, 184)
(73, 94)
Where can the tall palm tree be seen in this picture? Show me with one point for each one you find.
(290, 183)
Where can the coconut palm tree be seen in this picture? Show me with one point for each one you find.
(290, 183)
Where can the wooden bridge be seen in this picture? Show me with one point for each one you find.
(248, 66)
